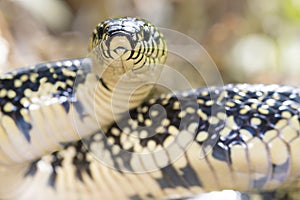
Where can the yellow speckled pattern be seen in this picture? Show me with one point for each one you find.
(186, 155)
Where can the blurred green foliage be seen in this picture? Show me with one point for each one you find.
(292, 9)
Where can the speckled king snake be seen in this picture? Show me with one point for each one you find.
(241, 137)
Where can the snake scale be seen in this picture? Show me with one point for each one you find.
(61, 137)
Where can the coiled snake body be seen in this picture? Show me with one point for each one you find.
(241, 137)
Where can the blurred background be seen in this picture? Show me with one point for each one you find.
(254, 41)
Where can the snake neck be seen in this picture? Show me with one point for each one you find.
(106, 98)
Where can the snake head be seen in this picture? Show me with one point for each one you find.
(128, 44)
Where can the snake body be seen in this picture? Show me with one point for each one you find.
(241, 137)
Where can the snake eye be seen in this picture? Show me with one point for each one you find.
(100, 30)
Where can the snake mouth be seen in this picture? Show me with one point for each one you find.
(119, 47)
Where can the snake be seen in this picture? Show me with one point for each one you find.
(88, 128)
